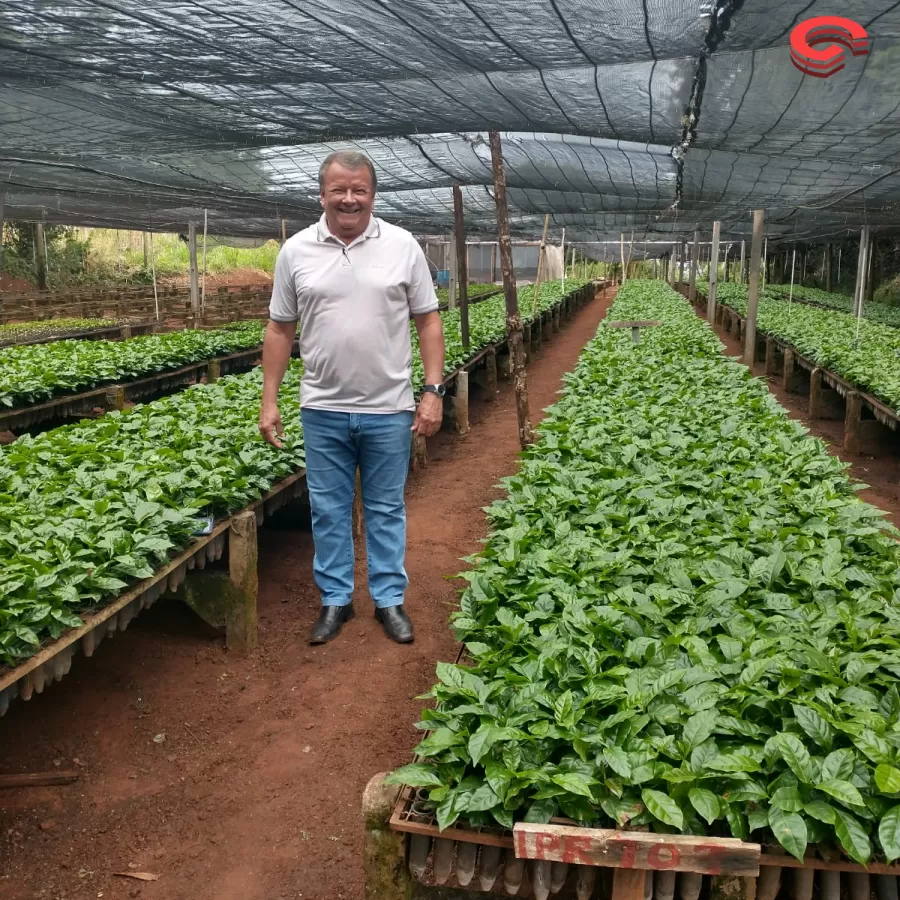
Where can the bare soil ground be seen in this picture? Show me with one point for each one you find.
(241, 779)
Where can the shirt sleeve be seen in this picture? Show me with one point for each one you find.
(420, 293)
(283, 305)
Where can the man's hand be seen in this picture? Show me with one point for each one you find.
(270, 426)
(429, 415)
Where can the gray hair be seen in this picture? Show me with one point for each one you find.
(349, 159)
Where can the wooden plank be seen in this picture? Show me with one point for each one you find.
(241, 631)
(636, 850)
(38, 779)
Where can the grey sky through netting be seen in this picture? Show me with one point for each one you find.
(655, 117)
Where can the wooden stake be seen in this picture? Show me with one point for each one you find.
(622, 254)
(493, 277)
(461, 403)
(828, 259)
(759, 224)
(490, 374)
(38, 779)
(513, 319)
(681, 261)
(283, 230)
(2, 222)
(713, 274)
(540, 267)
(203, 283)
(195, 286)
(462, 265)
(240, 634)
(742, 276)
(692, 286)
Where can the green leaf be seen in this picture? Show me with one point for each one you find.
(838, 764)
(792, 751)
(787, 799)
(481, 742)
(889, 834)
(699, 727)
(852, 837)
(820, 810)
(705, 802)
(663, 807)
(541, 811)
(875, 747)
(415, 775)
(887, 778)
(439, 740)
(482, 799)
(575, 784)
(814, 725)
(789, 830)
(617, 760)
(843, 791)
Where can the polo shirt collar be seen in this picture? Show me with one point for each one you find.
(323, 232)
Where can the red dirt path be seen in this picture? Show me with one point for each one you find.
(254, 791)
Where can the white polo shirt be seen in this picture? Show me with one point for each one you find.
(352, 303)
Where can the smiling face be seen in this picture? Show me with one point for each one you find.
(347, 197)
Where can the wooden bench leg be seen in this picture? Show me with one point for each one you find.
(787, 379)
(526, 341)
(770, 356)
(853, 423)
(815, 394)
(115, 397)
(490, 371)
(461, 403)
(213, 371)
(240, 630)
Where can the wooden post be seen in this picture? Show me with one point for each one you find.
(743, 273)
(853, 422)
(759, 222)
(828, 260)
(713, 274)
(493, 263)
(771, 365)
(454, 277)
(540, 267)
(870, 273)
(692, 287)
(146, 243)
(203, 282)
(815, 394)
(671, 267)
(462, 265)
(213, 371)
(461, 402)
(115, 397)
(787, 379)
(526, 340)
(195, 285)
(681, 261)
(283, 230)
(490, 374)
(513, 319)
(623, 279)
(240, 633)
(40, 250)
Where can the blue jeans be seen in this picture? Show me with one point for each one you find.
(336, 444)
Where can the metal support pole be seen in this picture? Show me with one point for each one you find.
(713, 274)
(692, 286)
(759, 224)
(513, 319)
(195, 286)
(743, 275)
(462, 264)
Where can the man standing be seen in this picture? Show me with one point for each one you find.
(351, 282)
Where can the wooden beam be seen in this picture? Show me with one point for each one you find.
(513, 319)
(38, 779)
(462, 264)
(638, 850)
(195, 284)
(713, 274)
(692, 286)
(759, 223)
(241, 634)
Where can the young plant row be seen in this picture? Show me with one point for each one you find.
(23, 332)
(830, 339)
(88, 508)
(32, 373)
(884, 313)
(474, 292)
(684, 616)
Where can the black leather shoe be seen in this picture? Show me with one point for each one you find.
(396, 624)
(328, 625)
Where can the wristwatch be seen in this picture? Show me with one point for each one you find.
(438, 389)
